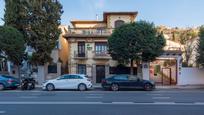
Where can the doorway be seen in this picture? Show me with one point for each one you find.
(100, 73)
(166, 76)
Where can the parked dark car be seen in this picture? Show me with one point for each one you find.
(8, 82)
(117, 82)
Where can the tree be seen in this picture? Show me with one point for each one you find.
(45, 20)
(138, 41)
(17, 15)
(188, 38)
(38, 20)
(12, 44)
(200, 49)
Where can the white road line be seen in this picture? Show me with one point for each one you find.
(155, 94)
(35, 94)
(199, 103)
(46, 102)
(122, 102)
(95, 94)
(99, 103)
(94, 97)
(166, 103)
(2, 112)
(28, 97)
(160, 97)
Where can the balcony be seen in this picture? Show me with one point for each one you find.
(90, 32)
(101, 55)
(81, 56)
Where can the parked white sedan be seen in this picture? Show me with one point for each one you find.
(68, 81)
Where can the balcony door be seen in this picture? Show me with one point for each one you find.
(100, 48)
(81, 49)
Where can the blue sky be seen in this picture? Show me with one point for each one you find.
(173, 13)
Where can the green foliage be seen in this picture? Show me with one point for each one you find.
(136, 41)
(200, 49)
(187, 35)
(38, 20)
(17, 15)
(12, 44)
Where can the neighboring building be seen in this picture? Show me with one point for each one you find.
(88, 51)
(60, 59)
(166, 69)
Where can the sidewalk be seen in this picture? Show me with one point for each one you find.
(98, 86)
(201, 86)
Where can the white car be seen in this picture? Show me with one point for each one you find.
(68, 81)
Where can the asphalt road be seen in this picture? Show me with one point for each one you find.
(159, 102)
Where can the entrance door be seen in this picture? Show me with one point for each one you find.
(100, 73)
(166, 76)
(81, 49)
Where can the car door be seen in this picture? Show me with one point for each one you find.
(121, 80)
(62, 82)
(135, 82)
(74, 81)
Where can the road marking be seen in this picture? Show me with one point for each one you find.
(95, 94)
(35, 94)
(94, 97)
(28, 97)
(154, 94)
(160, 97)
(98, 103)
(166, 103)
(199, 103)
(122, 102)
(2, 112)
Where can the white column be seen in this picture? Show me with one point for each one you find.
(145, 70)
(179, 67)
(41, 74)
(9, 66)
(107, 70)
(59, 68)
(94, 73)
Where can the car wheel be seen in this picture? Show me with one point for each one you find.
(82, 87)
(114, 87)
(14, 88)
(148, 87)
(50, 87)
(2, 87)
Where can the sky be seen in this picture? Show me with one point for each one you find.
(172, 13)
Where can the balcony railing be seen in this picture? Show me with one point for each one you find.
(101, 55)
(90, 31)
(82, 55)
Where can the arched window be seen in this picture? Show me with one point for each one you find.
(118, 23)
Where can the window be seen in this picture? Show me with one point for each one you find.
(118, 23)
(65, 77)
(81, 69)
(75, 77)
(52, 68)
(81, 49)
(133, 78)
(121, 77)
(100, 48)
